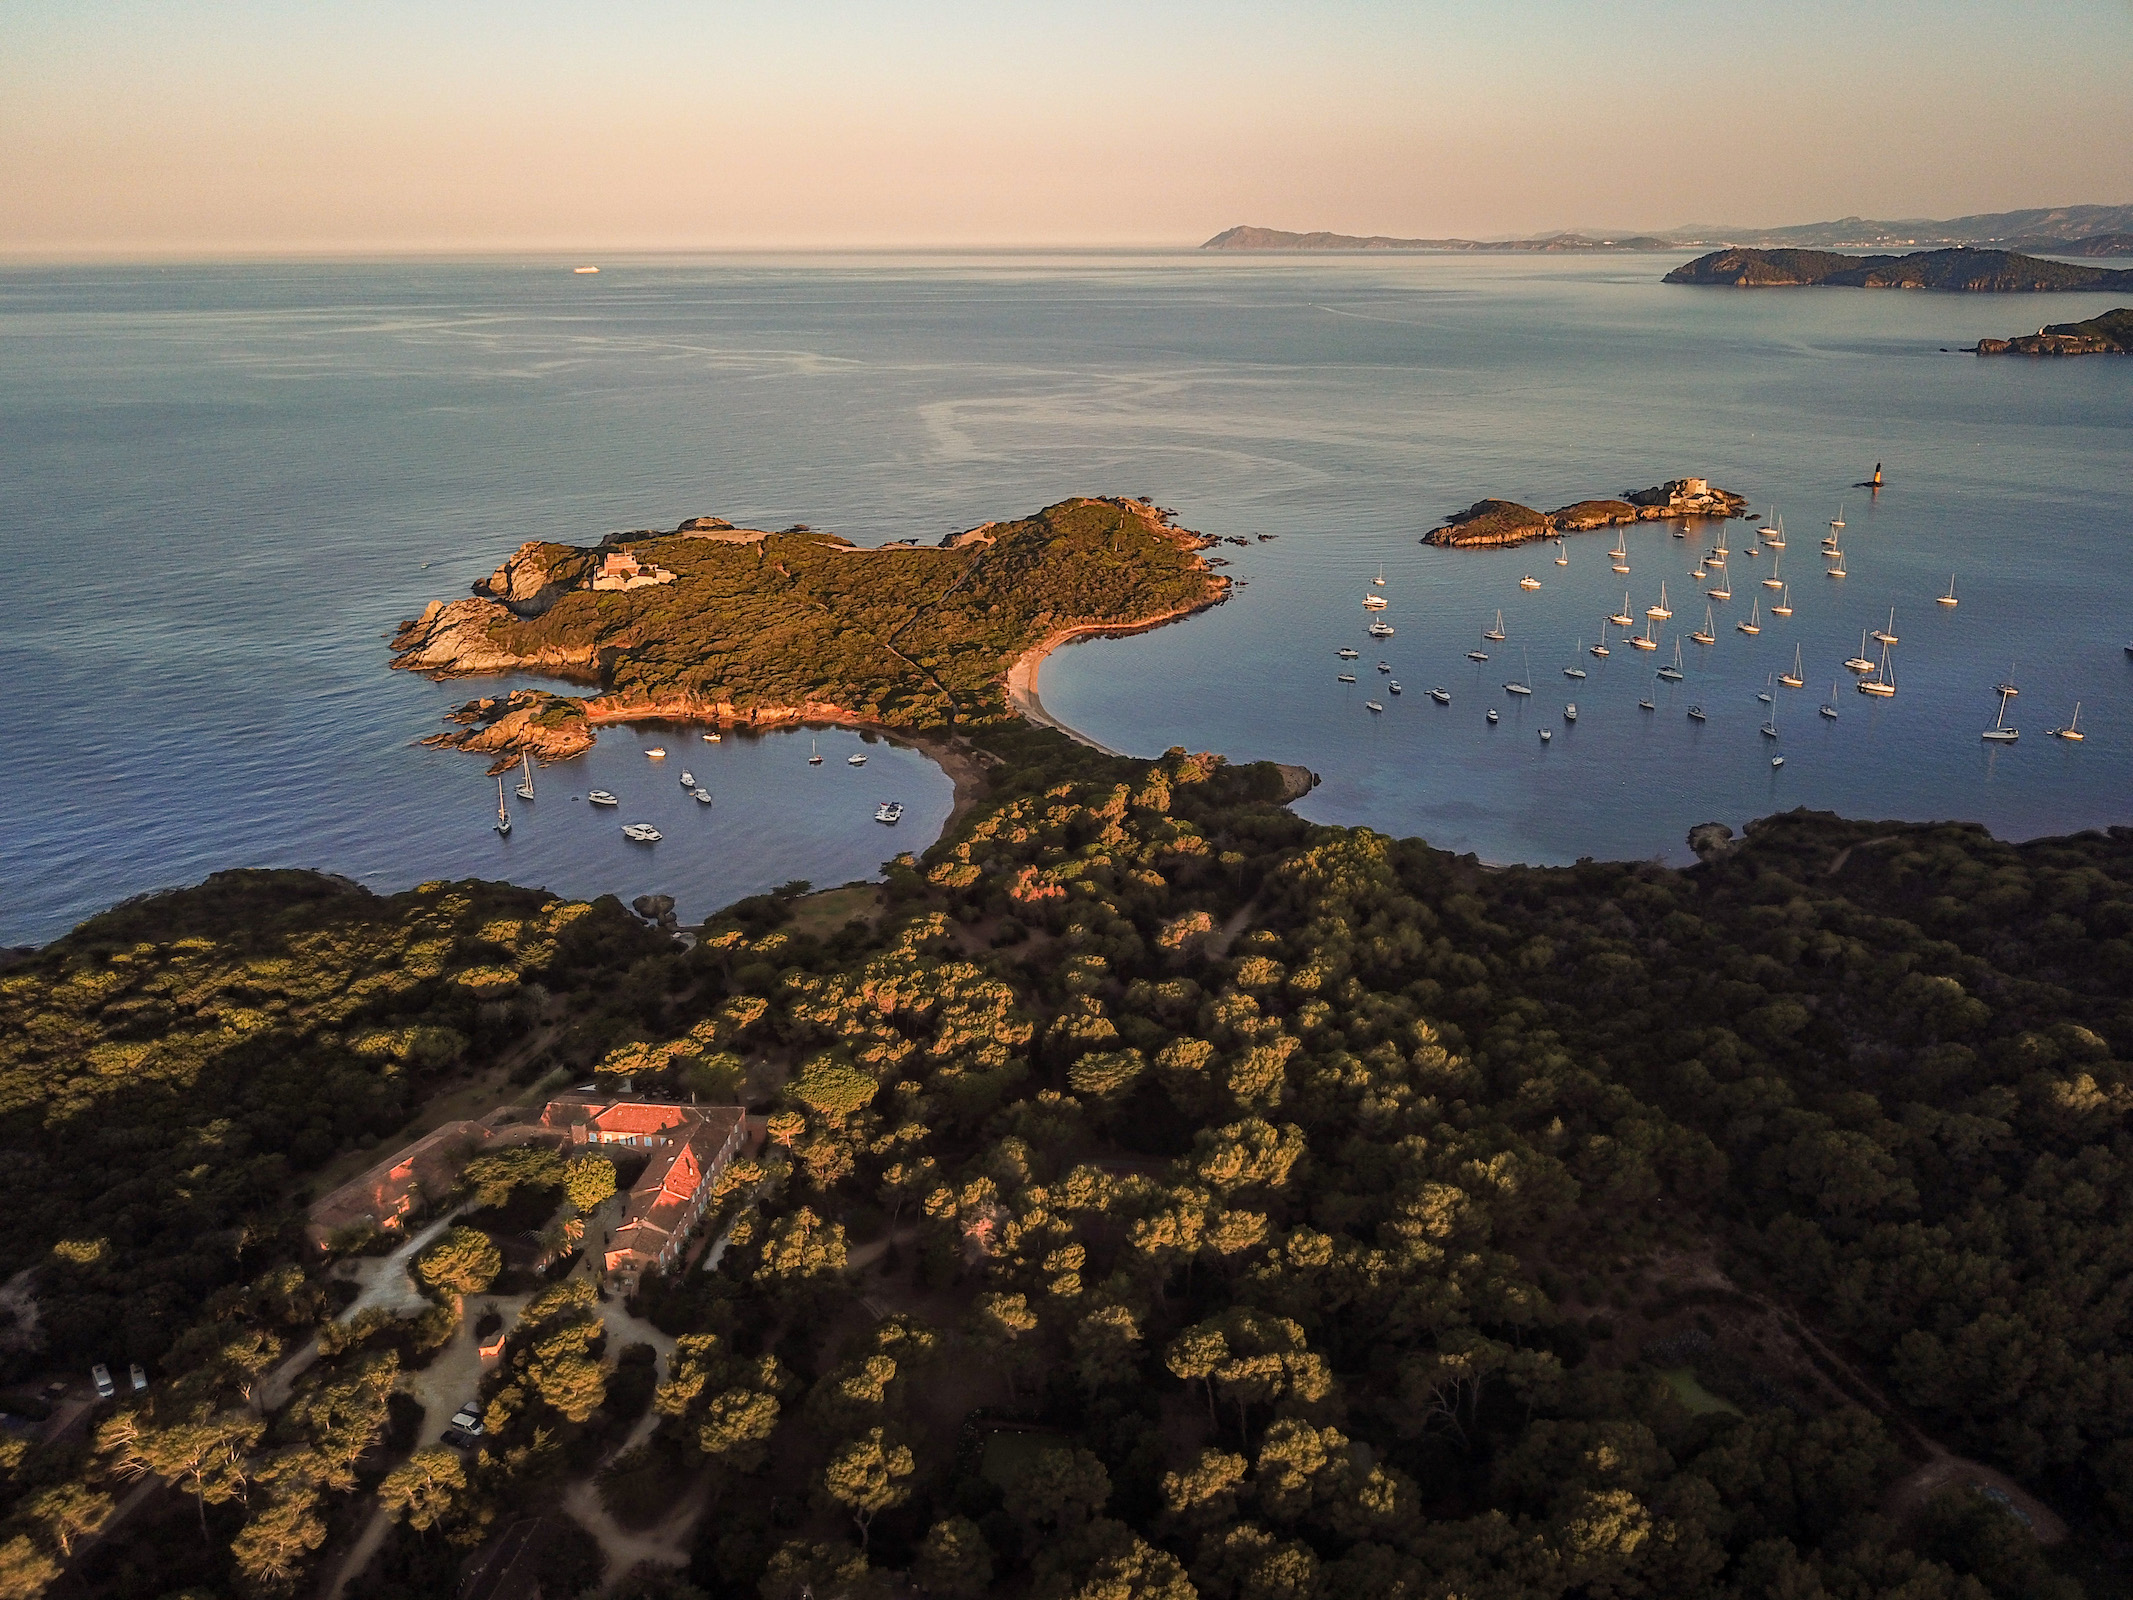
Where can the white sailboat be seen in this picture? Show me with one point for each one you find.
(814, 756)
(1775, 537)
(525, 775)
(1621, 619)
(1794, 679)
(1672, 670)
(1723, 588)
(1888, 635)
(1949, 599)
(1600, 649)
(503, 817)
(1495, 631)
(1859, 662)
(1883, 681)
(1379, 581)
(1784, 606)
(1647, 640)
(1660, 609)
(1522, 684)
(1705, 634)
(1562, 556)
(1828, 708)
(1999, 732)
(1774, 581)
(2071, 733)
(1575, 671)
(2007, 684)
(1754, 622)
(1836, 522)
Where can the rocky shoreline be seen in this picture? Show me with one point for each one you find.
(2108, 335)
(1489, 523)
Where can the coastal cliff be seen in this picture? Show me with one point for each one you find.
(1961, 270)
(742, 627)
(2108, 335)
(1488, 523)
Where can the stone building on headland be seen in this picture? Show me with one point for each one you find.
(619, 569)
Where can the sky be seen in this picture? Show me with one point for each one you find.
(236, 127)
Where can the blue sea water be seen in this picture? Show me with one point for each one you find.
(221, 487)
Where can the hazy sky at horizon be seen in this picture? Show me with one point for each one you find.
(194, 127)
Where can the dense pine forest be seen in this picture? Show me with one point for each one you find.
(1160, 1196)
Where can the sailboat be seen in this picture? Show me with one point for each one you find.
(1774, 581)
(1784, 606)
(503, 817)
(1660, 609)
(1949, 599)
(1620, 553)
(1575, 671)
(1562, 556)
(1495, 632)
(1754, 624)
(1836, 522)
(1621, 619)
(1646, 640)
(2007, 684)
(1775, 537)
(1723, 588)
(1795, 679)
(1719, 549)
(1704, 634)
(1888, 635)
(814, 756)
(525, 775)
(1769, 729)
(1883, 681)
(2072, 731)
(1600, 649)
(1768, 692)
(1828, 707)
(1521, 684)
(1859, 662)
(1696, 714)
(1672, 671)
(1999, 732)
(1379, 581)
(1836, 570)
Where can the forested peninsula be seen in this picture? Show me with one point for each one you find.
(727, 625)
(1148, 1194)
(1960, 269)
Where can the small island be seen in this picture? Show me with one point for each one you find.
(739, 627)
(1960, 270)
(2108, 335)
(1488, 523)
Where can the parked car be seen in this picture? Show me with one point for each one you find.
(105, 1389)
(140, 1378)
(467, 1419)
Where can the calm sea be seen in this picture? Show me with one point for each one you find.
(220, 488)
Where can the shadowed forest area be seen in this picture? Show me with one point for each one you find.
(1162, 1196)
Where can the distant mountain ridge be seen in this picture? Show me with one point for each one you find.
(2054, 230)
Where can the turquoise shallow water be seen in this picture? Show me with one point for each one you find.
(221, 487)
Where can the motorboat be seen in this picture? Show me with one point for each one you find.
(889, 812)
(1375, 602)
(1347, 654)
(1483, 655)
(600, 797)
(1777, 761)
(1393, 684)
(1381, 630)
(641, 833)
(701, 796)
(1372, 705)
(1547, 734)
(1646, 704)
(1441, 695)
(658, 752)
(1570, 711)
(1346, 677)
(1696, 714)
(688, 779)
(859, 760)
(1384, 666)
(711, 738)
(1529, 582)
(1493, 718)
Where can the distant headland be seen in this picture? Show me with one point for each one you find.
(2108, 335)
(1960, 270)
(740, 627)
(2051, 231)
(1499, 522)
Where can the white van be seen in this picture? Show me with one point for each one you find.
(104, 1387)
